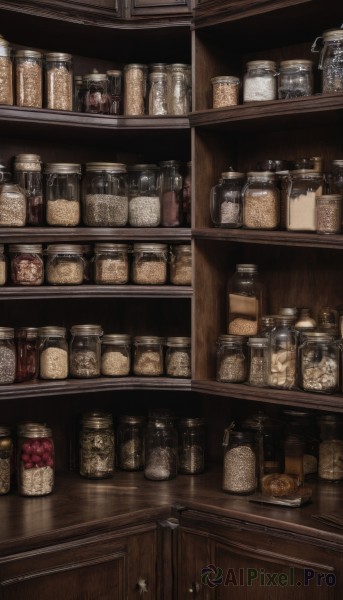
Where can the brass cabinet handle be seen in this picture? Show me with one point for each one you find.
(142, 586)
(195, 587)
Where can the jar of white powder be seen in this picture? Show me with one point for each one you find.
(260, 81)
(304, 187)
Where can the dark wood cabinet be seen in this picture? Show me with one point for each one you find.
(159, 7)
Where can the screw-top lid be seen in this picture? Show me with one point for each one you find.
(316, 336)
(97, 420)
(132, 419)
(30, 248)
(108, 167)
(300, 64)
(30, 333)
(258, 342)
(329, 198)
(27, 162)
(178, 341)
(28, 54)
(261, 64)
(192, 422)
(332, 34)
(100, 248)
(62, 168)
(135, 66)
(247, 268)
(150, 247)
(94, 77)
(182, 248)
(116, 339)
(306, 174)
(114, 73)
(6, 333)
(148, 339)
(231, 340)
(226, 79)
(86, 330)
(51, 331)
(288, 311)
(287, 320)
(65, 249)
(34, 430)
(262, 175)
(57, 56)
(232, 175)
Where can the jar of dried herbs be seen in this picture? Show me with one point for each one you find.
(97, 446)
(35, 460)
(148, 356)
(111, 264)
(58, 81)
(181, 264)
(64, 264)
(29, 78)
(6, 85)
(62, 194)
(105, 195)
(12, 205)
(149, 264)
(161, 449)
(6, 459)
(116, 355)
(53, 352)
(85, 351)
(191, 446)
(178, 357)
(27, 267)
(130, 443)
(27, 173)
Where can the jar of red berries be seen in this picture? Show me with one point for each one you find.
(35, 460)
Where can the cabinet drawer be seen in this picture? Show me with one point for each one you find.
(159, 7)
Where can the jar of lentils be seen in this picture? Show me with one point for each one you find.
(130, 443)
(65, 264)
(6, 87)
(3, 266)
(27, 173)
(161, 449)
(261, 201)
(105, 195)
(53, 353)
(7, 356)
(12, 205)
(148, 356)
(115, 355)
(225, 91)
(6, 459)
(192, 446)
(260, 81)
(135, 89)
(144, 196)
(226, 200)
(29, 78)
(178, 357)
(27, 267)
(97, 446)
(27, 368)
(111, 264)
(149, 264)
(35, 460)
(319, 363)
(181, 264)
(62, 194)
(58, 81)
(85, 351)
(231, 359)
(240, 462)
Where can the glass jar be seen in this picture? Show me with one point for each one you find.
(294, 447)
(268, 432)
(144, 196)
(135, 87)
(331, 60)
(6, 459)
(161, 449)
(283, 180)
(225, 91)
(171, 193)
(187, 196)
(53, 353)
(148, 356)
(78, 93)
(115, 81)
(6, 87)
(96, 96)
(295, 78)
(231, 359)
(12, 205)
(261, 201)
(258, 361)
(7, 356)
(58, 81)
(130, 443)
(240, 462)
(192, 446)
(62, 194)
(301, 423)
(319, 363)
(85, 351)
(282, 353)
(328, 321)
(5, 175)
(105, 195)
(330, 466)
(244, 301)
(260, 81)
(304, 321)
(181, 264)
(329, 213)
(336, 178)
(29, 78)
(64, 264)
(35, 460)
(178, 92)
(149, 264)
(178, 357)
(267, 324)
(111, 264)
(27, 174)
(27, 363)
(304, 187)
(27, 267)
(97, 446)
(157, 104)
(226, 200)
(3, 266)
(87, 254)
(116, 355)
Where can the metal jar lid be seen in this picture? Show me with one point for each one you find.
(178, 342)
(57, 56)
(5, 431)
(306, 174)
(262, 175)
(116, 339)
(86, 330)
(332, 34)
(182, 248)
(27, 162)
(151, 247)
(232, 175)
(64, 249)
(34, 430)
(114, 73)
(142, 167)
(261, 64)
(51, 331)
(231, 340)
(108, 167)
(94, 77)
(97, 420)
(316, 336)
(157, 76)
(247, 268)
(258, 342)
(287, 320)
(28, 54)
(170, 163)
(300, 64)
(226, 79)
(192, 422)
(30, 248)
(30, 332)
(100, 248)
(148, 339)
(135, 66)
(330, 197)
(132, 419)
(6, 333)
(62, 168)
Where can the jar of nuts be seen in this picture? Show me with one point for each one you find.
(149, 264)
(181, 264)
(148, 356)
(111, 264)
(115, 355)
(261, 201)
(65, 264)
(27, 267)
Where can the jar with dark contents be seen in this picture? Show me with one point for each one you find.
(111, 264)
(171, 194)
(53, 353)
(181, 264)
(7, 356)
(115, 81)
(3, 266)
(27, 267)
(161, 449)
(231, 359)
(191, 446)
(58, 81)
(331, 60)
(148, 356)
(27, 354)
(130, 443)
(27, 173)
(85, 351)
(115, 355)
(240, 462)
(149, 264)
(12, 205)
(96, 445)
(29, 78)
(178, 357)
(64, 264)
(35, 460)
(96, 97)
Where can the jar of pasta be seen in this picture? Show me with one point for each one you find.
(65, 264)
(149, 264)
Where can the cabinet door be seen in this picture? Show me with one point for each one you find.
(193, 560)
(159, 7)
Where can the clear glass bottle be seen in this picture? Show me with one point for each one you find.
(27, 174)
(295, 78)
(240, 466)
(29, 78)
(130, 443)
(226, 201)
(111, 264)
(64, 264)
(225, 91)
(97, 446)
(331, 60)
(105, 195)
(58, 81)
(27, 363)
(157, 104)
(178, 357)
(161, 449)
(6, 459)
(192, 446)
(319, 363)
(178, 94)
(115, 80)
(85, 351)
(187, 196)
(282, 353)
(144, 195)
(330, 465)
(35, 460)
(148, 356)
(171, 193)
(116, 355)
(260, 81)
(26, 264)
(244, 301)
(258, 361)
(149, 264)
(231, 359)
(135, 89)
(181, 264)
(96, 96)
(7, 356)
(3, 266)
(53, 352)
(6, 73)
(62, 194)
(12, 205)
(261, 201)
(304, 187)
(329, 213)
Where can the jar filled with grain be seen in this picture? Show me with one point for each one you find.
(258, 361)
(295, 78)
(329, 213)
(161, 449)
(226, 202)
(105, 195)
(115, 83)
(330, 63)
(149, 264)
(330, 465)
(29, 78)
(35, 460)
(53, 353)
(27, 173)
(62, 194)
(97, 446)
(319, 363)
(282, 353)
(26, 264)
(130, 443)
(3, 266)
(231, 359)
(305, 185)
(192, 446)
(240, 466)
(261, 201)
(58, 81)
(171, 194)
(85, 351)
(178, 357)
(260, 81)
(26, 342)
(7, 356)
(157, 103)
(111, 264)
(12, 205)
(6, 459)
(96, 96)
(6, 84)
(144, 196)
(148, 356)
(225, 91)
(135, 89)
(178, 89)
(244, 301)
(116, 355)
(181, 264)
(64, 264)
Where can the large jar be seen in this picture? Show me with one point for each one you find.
(105, 195)
(96, 96)
(144, 196)
(148, 356)
(3, 266)
(29, 78)
(161, 449)
(27, 267)
(178, 357)
(135, 88)
(97, 446)
(115, 82)
(260, 81)
(181, 264)
(331, 60)
(35, 460)
(62, 194)
(6, 459)
(116, 355)
(226, 200)
(149, 264)
(85, 351)
(330, 466)
(27, 367)
(64, 264)
(240, 462)
(231, 359)
(192, 446)
(178, 86)
(171, 193)
(304, 187)
(295, 78)
(130, 443)
(12, 205)
(7, 356)
(258, 361)
(261, 201)
(157, 104)
(329, 213)
(244, 301)
(53, 353)
(6, 85)
(111, 264)
(319, 363)
(27, 173)
(282, 353)
(225, 91)
(58, 81)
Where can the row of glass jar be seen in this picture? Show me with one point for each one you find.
(74, 264)
(113, 195)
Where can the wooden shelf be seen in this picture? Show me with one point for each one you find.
(276, 238)
(76, 234)
(94, 291)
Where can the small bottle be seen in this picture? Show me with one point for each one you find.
(130, 443)
(171, 194)
(258, 361)
(178, 357)
(192, 446)
(58, 81)
(305, 322)
(6, 459)
(26, 264)
(78, 93)
(244, 301)
(27, 367)
(225, 91)
(35, 460)
(116, 355)
(267, 324)
(328, 320)
(187, 196)
(240, 462)
(161, 449)
(148, 356)
(27, 173)
(97, 446)
(85, 351)
(53, 353)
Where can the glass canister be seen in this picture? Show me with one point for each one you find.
(231, 359)
(58, 81)
(301, 423)
(304, 187)
(268, 432)
(6, 459)
(105, 195)
(130, 443)
(328, 321)
(192, 446)
(3, 266)
(115, 355)
(329, 213)
(319, 363)
(115, 81)
(85, 351)
(260, 81)
(27, 363)
(161, 449)
(225, 91)
(295, 78)
(336, 178)
(111, 264)
(149, 264)
(171, 193)
(294, 447)
(78, 93)
(282, 353)
(187, 196)
(181, 264)
(27, 173)
(261, 201)
(97, 446)
(135, 88)
(258, 361)
(148, 356)
(226, 200)
(244, 301)
(35, 460)
(64, 264)
(96, 96)
(53, 352)
(267, 324)
(157, 104)
(178, 94)
(240, 466)
(29, 78)
(26, 264)
(12, 205)
(87, 253)
(330, 466)
(144, 196)
(6, 85)
(178, 357)
(62, 194)
(7, 356)
(331, 60)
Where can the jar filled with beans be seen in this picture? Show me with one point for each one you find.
(181, 264)
(65, 264)
(27, 267)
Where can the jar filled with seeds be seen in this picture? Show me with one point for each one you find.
(6, 85)
(115, 82)
(282, 353)
(260, 81)
(178, 357)
(27, 367)
(192, 446)
(96, 97)
(3, 266)
(29, 78)
(62, 194)
(144, 196)
(161, 449)
(27, 173)
(97, 446)
(261, 201)
(240, 466)
(6, 459)
(304, 187)
(87, 254)
(181, 264)
(157, 104)
(149, 264)
(178, 89)
(111, 264)
(258, 361)
(330, 465)
(7, 356)
(12, 205)
(330, 60)
(319, 363)
(26, 264)
(244, 301)
(35, 460)
(85, 351)
(225, 91)
(53, 353)
(231, 359)
(116, 355)
(58, 81)
(105, 195)
(226, 200)
(130, 443)
(295, 79)
(135, 88)
(64, 264)
(148, 356)
(329, 213)
(171, 194)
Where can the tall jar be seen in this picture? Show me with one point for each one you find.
(295, 78)
(105, 195)
(130, 443)
(111, 264)
(27, 364)
(58, 81)
(240, 462)
(187, 196)
(135, 88)
(29, 78)
(244, 301)
(181, 264)
(115, 81)
(53, 353)
(178, 85)
(7, 356)
(304, 187)
(148, 356)
(64, 264)
(282, 353)
(62, 194)
(85, 351)
(331, 60)
(87, 254)
(261, 201)
(6, 459)
(260, 81)
(192, 446)
(35, 460)
(161, 449)
(294, 447)
(149, 264)
(96, 96)
(178, 357)
(27, 173)
(115, 355)
(330, 466)
(97, 446)
(171, 193)
(336, 178)
(258, 361)
(157, 104)
(144, 196)
(3, 266)
(319, 363)
(12, 205)
(231, 359)
(27, 267)
(6, 85)
(78, 93)
(226, 200)
(329, 213)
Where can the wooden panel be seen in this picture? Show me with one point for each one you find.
(142, 566)
(159, 7)
(194, 556)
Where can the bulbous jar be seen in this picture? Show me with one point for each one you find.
(244, 301)
(35, 460)
(105, 195)
(53, 352)
(240, 466)
(192, 446)
(226, 201)
(161, 449)
(261, 201)
(130, 443)
(97, 446)
(319, 363)
(282, 353)
(85, 351)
